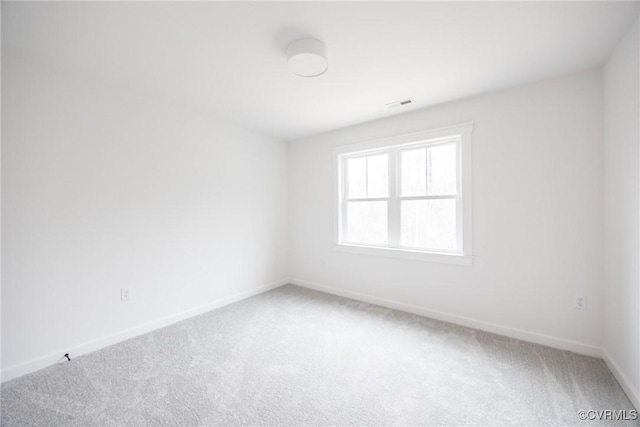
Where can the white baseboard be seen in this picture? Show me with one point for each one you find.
(93, 345)
(625, 383)
(632, 393)
(507, 331)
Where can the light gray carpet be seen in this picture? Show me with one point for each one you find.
(293, 356)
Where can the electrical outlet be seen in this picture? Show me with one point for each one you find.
(125, 294)
(580, 302)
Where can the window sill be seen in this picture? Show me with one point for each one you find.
(405, 254)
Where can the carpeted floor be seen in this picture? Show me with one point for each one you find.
(293, 356)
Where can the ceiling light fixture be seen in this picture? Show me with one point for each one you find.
(307, 57)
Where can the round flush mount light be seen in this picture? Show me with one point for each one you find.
(307, 57)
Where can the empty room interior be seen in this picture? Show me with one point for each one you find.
(320, 213)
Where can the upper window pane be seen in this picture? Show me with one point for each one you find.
(414, 172)
(368, 176)
(357, 181)
(441, 170)
(377, 175)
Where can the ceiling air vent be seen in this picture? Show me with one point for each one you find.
(402, 103)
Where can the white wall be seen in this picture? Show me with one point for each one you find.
(622, 211)
(537, 216)
(102, 190)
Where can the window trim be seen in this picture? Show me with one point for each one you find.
(462, 133)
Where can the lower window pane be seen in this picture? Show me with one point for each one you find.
(367, 222)
(429, 224)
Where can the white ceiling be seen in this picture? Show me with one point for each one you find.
(228, 59)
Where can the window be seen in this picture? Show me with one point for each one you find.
(408, 196)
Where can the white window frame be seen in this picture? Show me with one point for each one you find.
(458, 134)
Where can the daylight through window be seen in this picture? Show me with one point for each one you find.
(408, 194)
